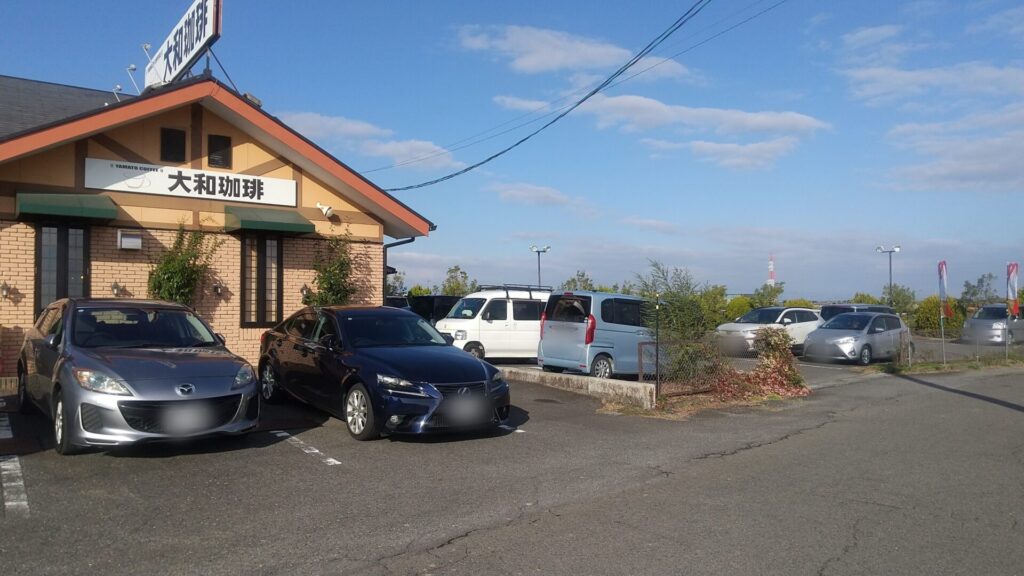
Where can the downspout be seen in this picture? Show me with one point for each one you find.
(384, 286)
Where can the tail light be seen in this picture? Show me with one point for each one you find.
(591, 328)
(543, 317)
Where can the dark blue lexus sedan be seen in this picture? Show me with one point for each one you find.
(381, 370)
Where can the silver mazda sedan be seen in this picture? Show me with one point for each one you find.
(118, 372)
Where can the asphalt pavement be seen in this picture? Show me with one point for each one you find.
(877, 475)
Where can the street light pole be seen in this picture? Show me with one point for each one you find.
(890, 252)
(539, 251)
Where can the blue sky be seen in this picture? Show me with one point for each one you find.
(814, 132)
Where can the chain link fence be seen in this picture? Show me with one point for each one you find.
(682, 367)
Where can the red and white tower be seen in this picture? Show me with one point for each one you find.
(771, 270)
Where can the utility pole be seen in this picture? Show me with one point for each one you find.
(539, 251)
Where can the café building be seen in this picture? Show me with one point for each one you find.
(93, 190)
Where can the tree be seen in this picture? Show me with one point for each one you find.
(798, 303)
(980, 293)
(333, 274)
(178, 272)
(737, 307)
(862, 298)
(457, 283)
(419, 290)
(579, 281)
(902, 298)
(688, 311)
(767, 295)
(395, 284)
(713, 306)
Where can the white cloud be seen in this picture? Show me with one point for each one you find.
(660, 226)
(514, 103)
(980, 152)
(320, 127)
(662, 145)
(877, 46)
(522, 193)
(633, 113)
(744, 156)
(534, 50)
(1009, 22)
(866, 37)
(418, 153)
(880, 85)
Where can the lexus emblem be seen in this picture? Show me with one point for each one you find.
(463, 391)
(185, 389)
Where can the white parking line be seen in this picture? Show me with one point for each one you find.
(5, 427)
(305, 447)
(13, 485)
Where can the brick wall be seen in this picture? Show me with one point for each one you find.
(130, 269)
(17, 269)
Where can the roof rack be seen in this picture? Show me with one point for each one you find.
(529, 288)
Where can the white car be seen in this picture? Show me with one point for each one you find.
(739, 336)
(498, 321)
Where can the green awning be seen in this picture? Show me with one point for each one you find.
(68, 205)
(245, 218)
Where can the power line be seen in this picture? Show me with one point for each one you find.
(695, 9)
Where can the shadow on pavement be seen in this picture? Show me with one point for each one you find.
(974, 395)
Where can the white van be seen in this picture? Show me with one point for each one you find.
(498, 321)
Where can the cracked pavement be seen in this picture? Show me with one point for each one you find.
(884, 475)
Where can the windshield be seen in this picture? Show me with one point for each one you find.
(847, 322)
(467, 308)
(131, 327)
(993, 313)
(761, 316)
(828, 312)
(372, 331)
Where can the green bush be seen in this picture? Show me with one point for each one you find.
(333, 280)
(926, 316)
(737, 307)
(798, 303)
(177, 273)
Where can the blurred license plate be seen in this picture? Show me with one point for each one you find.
(188, 418)
(465, 410)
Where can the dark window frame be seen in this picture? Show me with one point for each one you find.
(166, 153)
(487, 309)
(538, 304)
(261, 281)
(211, 151)
(62, 262)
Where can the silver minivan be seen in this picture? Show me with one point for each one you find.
(993, 324)
(594, 332)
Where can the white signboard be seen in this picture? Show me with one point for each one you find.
(196, 31)
(124, 176)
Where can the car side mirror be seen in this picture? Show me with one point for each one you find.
(51, 341)
(486, 316)
(787, 320)
(448, 338)
(328, 341)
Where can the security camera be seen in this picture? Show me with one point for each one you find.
(327, 210)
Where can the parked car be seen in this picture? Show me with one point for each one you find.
(396, 301)
(117, 372)
(595, 332)
(857, 336)
(433, 307)
(992, 324)
(380, 370)
(830, 310)
(738, 336)
(498, 321)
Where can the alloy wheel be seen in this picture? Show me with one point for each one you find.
(58, 422)
(602, 368)
(268, 385)
(355, 411)
(22, 395)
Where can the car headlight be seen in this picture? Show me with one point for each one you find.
(100, 382)
(244, 377)
(395, 384)
(999, 326)
(460, 335)
(498, 380)
(845, 340)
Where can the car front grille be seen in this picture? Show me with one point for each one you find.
(452, 390)
(149, 416)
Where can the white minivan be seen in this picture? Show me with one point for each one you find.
(498, 321)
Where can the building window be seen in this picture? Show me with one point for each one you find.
(172, 145)
(62, 261)
(218, 150)
(262, 280)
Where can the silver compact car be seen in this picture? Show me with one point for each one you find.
(119, 372)
(992, 324)
(857, 336)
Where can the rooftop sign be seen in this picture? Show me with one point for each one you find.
(197, 30)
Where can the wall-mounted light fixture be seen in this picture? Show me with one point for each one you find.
(218, 288)
(327, 210)
(116, 289)
(5, 291)
(304, 290)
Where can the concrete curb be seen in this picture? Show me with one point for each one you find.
(640, 394)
